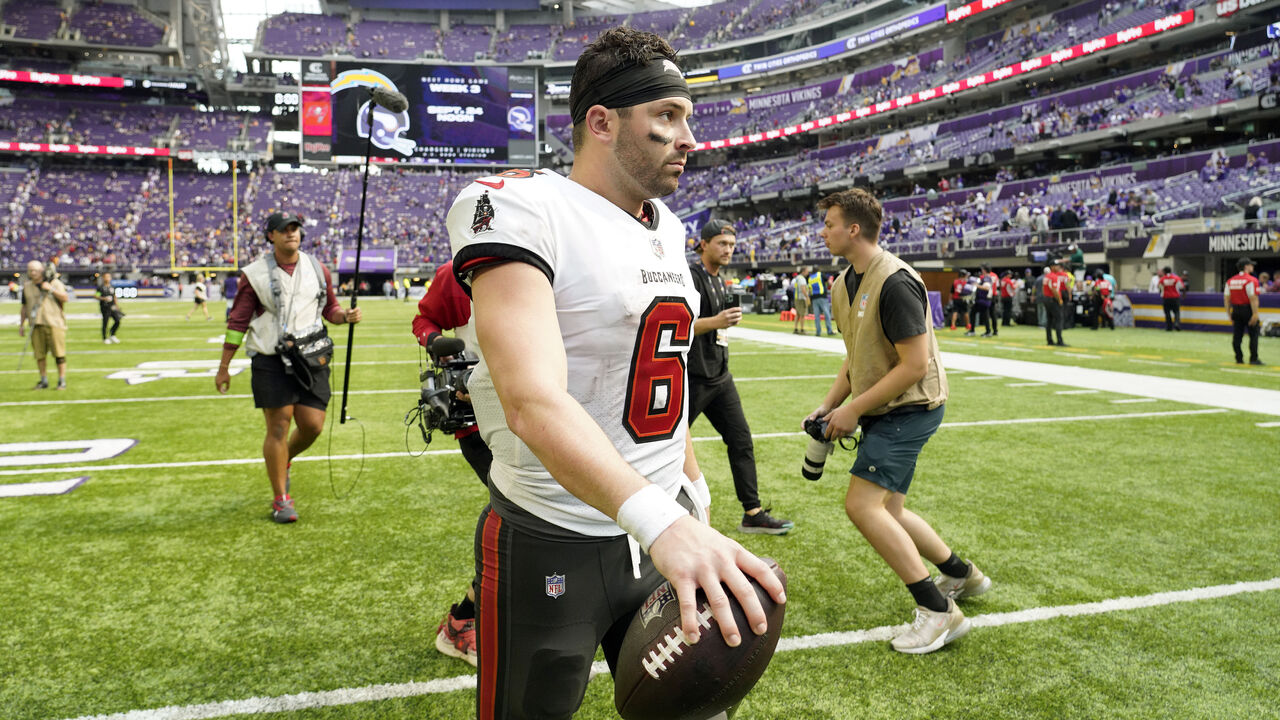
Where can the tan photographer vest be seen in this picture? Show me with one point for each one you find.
(871, 355)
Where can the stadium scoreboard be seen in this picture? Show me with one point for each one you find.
(457, 114)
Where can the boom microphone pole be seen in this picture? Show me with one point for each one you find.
(396, 103)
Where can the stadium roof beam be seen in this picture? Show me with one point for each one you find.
(205, 42)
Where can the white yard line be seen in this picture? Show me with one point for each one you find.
(1141, 361)
(1077, 355)
(86, 370)
(1011, 348)
(1232, 397)
(1127, 401)
(984, 377)
(173, 398)
(1267, 424)
(1074, 392)
(707, 438)
(388, 691)
(1027, 384)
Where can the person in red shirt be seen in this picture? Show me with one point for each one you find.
(1171, 289)
(989, 276)
(1056, 295)
(959, 303)
(1102, 292)
(1241, 300)
(1008, 288)
(447, 307)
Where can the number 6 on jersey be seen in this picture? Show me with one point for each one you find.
(656, 386)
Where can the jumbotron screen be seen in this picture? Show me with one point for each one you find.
(457, 114)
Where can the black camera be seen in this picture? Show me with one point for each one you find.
(815, 454)
(50, 272)
(439, 407)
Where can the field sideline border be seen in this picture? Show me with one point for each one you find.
(1198, 392)
(373, 693)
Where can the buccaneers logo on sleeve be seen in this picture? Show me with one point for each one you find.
(480, 223)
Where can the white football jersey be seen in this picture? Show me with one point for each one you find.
(625, 303)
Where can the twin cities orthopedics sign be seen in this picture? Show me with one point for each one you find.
(1057, 56)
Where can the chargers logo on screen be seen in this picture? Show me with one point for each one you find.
(387, 128)
(520, 119)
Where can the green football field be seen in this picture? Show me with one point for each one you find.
(1132, 540)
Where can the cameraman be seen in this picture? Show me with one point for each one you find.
(447, 307)
(43, 298)
(711, 388)
(111, 314)
(283, 294)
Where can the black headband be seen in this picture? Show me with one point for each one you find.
(632, 84)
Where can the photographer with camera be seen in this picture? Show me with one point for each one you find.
(43, 298)
(277, 315)
(897, 390)
(711, 388)
(110, 307)
(447, 307)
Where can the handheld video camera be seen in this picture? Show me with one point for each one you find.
(50, 272)
(439, 407)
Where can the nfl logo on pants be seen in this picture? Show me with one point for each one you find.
(555, 585)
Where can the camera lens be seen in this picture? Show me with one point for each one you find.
(815, 458)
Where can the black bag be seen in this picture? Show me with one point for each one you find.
(305, 356)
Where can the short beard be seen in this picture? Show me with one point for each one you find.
(654, 181)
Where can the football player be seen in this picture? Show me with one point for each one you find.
(584, 308)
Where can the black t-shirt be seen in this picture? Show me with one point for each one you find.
(708, 361)
(903, 304)
(106, 296)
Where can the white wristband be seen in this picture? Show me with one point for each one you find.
(704, 491)
(647, 513)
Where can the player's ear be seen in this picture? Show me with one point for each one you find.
(601, 123)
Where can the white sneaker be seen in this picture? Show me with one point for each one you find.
(115, 339)
(959, 588)
(931, 630)
(106, 341)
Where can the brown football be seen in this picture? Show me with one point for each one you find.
(660, 676)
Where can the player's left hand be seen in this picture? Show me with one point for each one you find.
(841, 422)
(353, 316)
(1254, 320)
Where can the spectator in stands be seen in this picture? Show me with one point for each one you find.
(43, 300)
(1253, 210)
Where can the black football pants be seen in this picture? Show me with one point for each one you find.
(722, 406)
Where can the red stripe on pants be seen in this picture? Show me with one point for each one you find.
(487, 687)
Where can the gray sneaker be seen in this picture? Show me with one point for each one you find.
(282, 511)
(931, 630)
(762, 523)
(959, 588)
(42, 385)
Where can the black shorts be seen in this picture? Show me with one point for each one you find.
(199, 301)
(544, 605)
(274, 388)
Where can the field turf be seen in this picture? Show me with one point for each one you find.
(160, 582)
